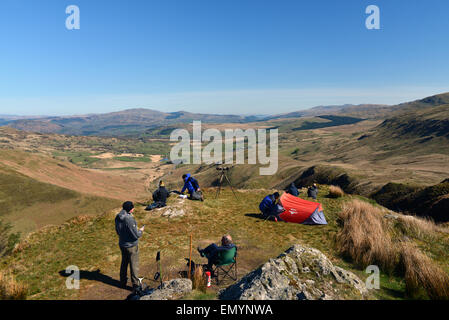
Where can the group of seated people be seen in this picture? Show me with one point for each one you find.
(161, 194)
(270, 207)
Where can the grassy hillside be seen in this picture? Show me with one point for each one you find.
(29, 204)
(91, 244)
(70, 176)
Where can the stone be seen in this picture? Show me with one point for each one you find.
(170, 290)
(300, 273)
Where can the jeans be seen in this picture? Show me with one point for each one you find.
(130, 256)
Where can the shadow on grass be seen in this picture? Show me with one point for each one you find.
(260, 217)
(97, 276)
(255, 215)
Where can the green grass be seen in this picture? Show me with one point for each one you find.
(28, 204)
(133, 159)
(18, 191)
(92, 245)
(84, 159)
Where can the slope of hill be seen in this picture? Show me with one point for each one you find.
(67, 175)
(428, 102)
(367, 111)
(258, 241)
(29, 204)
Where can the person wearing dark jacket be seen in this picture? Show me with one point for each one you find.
(192, 186)
(211, 251)
(126, 228)
(269, 206)
(159, 197)
(293, 190)
(312, 191)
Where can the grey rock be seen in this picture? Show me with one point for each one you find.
(170, 290)
(300, 273)
(391, 216)
(173, 213)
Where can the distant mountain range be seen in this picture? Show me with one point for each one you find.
(135, 121)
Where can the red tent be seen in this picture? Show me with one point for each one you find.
(301, 211)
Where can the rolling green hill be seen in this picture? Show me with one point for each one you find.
(29, 204)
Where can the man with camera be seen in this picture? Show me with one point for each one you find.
(126, 228)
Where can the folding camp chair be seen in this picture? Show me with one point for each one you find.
(227, 262)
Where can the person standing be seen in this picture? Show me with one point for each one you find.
(126, 228)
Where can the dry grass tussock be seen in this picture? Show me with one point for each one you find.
(363, 236)
(198, 280)
(421, 273)
(419, 227)
(366, 238)
(10, 289)
(336, 192)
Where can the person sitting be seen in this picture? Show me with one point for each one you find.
(192, 186)
(292, 190)
(159, 197)
(270, 206)
(312, 191)
(211, 251)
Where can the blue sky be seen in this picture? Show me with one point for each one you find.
(218, 56)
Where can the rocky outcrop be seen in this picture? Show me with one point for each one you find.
(173, 212)
(170, 290)
(300, 273)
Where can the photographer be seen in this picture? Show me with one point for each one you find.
(126, 228)
(192, 186)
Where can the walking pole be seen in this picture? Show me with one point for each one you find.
(190, 257)
(158, 275)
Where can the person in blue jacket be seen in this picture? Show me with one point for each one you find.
(270, 206)
(192, 186)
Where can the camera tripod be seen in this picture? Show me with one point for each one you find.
(223, 175)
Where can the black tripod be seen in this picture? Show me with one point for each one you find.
(225, 176)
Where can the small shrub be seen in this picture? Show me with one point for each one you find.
(336, 192)
(198, 280)
(10, 289)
